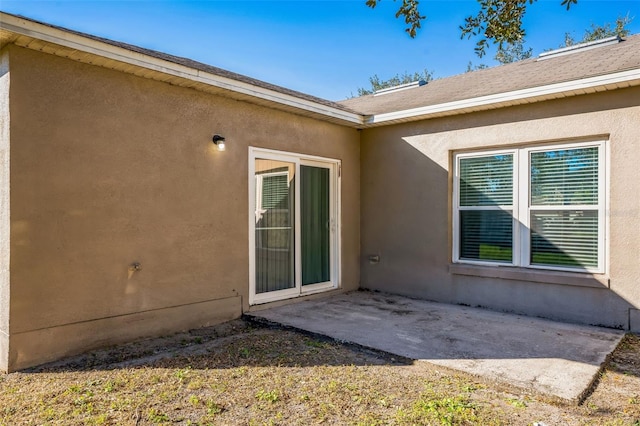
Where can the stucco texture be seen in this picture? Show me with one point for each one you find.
(406, 204)
(109, 169)
(5, 250)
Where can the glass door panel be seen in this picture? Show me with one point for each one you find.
(315, 224)
(274, 225)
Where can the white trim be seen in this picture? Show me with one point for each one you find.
(455, 220)
(297, 252)
(251, 225)
(457, 208)
(25, 27)
(506, 98)
(298, 160)
(520, 229)
(78, 42)
(277, 155)
(522, 206)
(334, 261)
(603, 197)
(525, 212)
(607, 204)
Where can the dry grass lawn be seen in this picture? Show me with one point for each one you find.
(235, 374)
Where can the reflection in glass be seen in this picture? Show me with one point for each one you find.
(486, 235)
(315, 224)
(564, 238)
(274, 231)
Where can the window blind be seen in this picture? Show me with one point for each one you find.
(532, 206)
(564, 177)
(486, 181)
(275, 191)
(486, 200)
(564, 235)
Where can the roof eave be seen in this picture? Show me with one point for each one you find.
(191, 77)
(583, 86)
(35, 30)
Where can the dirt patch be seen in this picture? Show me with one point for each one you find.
(618, 389)
(238, 373)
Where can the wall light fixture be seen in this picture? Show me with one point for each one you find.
(219, 141)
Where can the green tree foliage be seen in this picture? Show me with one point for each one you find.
(498, 21)
(472, 67)
(505, 55)
(396, 80)
(513, 52)
(597, 32)
(517, 52)
(408, 10)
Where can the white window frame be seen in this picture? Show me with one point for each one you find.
(522, 206)
(334, 166)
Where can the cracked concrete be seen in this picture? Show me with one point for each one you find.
(557, 359)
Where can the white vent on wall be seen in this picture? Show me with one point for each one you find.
(579, 47)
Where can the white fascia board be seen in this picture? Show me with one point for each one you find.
(60, 37)
(77, 42)
(506, 98)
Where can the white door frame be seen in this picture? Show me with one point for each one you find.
(334, 213)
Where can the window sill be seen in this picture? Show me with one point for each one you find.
(532, 275)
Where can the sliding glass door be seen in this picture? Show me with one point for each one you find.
(315, 222)
(293, 225)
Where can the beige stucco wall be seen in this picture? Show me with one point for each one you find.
(406, 217)
(4, 210)
(109, 169)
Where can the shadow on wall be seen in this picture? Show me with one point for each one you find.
(406, 217)
(563, 220)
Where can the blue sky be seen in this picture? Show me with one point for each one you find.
(326, 48)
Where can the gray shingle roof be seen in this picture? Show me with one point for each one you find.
(194, 65)
(529, 73)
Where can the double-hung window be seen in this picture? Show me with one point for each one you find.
(538, 207)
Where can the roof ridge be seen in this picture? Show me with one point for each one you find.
(590, 66)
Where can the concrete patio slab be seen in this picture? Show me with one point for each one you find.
(553, 358)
